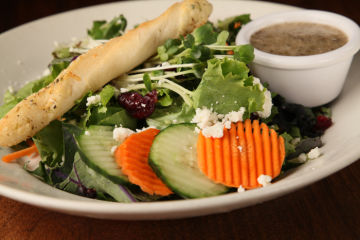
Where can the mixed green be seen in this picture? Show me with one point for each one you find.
(201, 70)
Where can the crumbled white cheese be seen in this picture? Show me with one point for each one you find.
(31, 162)
(240, 148)
(302, 158)
(120, 133)
(235, 116)
(314, 153)
(46, 72)
(144, 128)
(113, 149)
(93, 100)
(267, 105)
(197, 130)
(212, 124)
(204, 118)
(268, 100)
(264, 180)
(241, 189)
(227, 124)
(215, 131)
(257, 81)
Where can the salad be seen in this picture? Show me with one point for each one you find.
(145, 135)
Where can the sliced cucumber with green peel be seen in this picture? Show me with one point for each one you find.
(96, 144)
(173, 157)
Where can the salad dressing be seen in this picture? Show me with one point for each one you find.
(298, 39)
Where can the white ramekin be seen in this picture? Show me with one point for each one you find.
(308, 80)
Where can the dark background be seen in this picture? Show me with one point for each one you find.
(17, 12)
(328, 209)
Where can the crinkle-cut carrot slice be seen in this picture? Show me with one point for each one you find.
(246, 151)
(132, 157)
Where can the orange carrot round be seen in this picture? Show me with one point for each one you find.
(132, 158)
(248, 151)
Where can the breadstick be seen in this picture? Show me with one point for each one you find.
(98, 66)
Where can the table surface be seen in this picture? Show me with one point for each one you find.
(326, 209)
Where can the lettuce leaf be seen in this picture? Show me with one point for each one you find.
(84, 181)
(226, 87)
(11, 99)
(107, 30)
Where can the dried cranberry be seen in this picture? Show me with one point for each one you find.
(323, 123)
(137, 105)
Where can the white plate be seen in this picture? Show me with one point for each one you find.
(27, 49)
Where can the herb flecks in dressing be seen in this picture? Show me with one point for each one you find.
(298, 39)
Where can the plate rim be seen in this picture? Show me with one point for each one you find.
(176, 208)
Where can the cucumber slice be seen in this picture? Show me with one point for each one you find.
(96, 145)
(174, 159)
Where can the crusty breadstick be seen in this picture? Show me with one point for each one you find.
(92, 70)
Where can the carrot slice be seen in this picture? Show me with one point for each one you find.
(132, 157)
(243, 162)
(258, 147)
(219, 166)
(267, 149)
(248, 151)
(227, 161)
(18, 154)
(210, 157)
(235, 155)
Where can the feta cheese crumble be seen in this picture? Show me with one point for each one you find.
(314, 153)
(93, 100)
(120, 133)
(233, 117)
(240, 148)
(240, 189)
(264, 180)
(268, 100)
(215, 131)
(204, 118)
(144, 128)
(212, 123)
(113, 149)
(46, 72)
(302, 158)
(267, 105)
